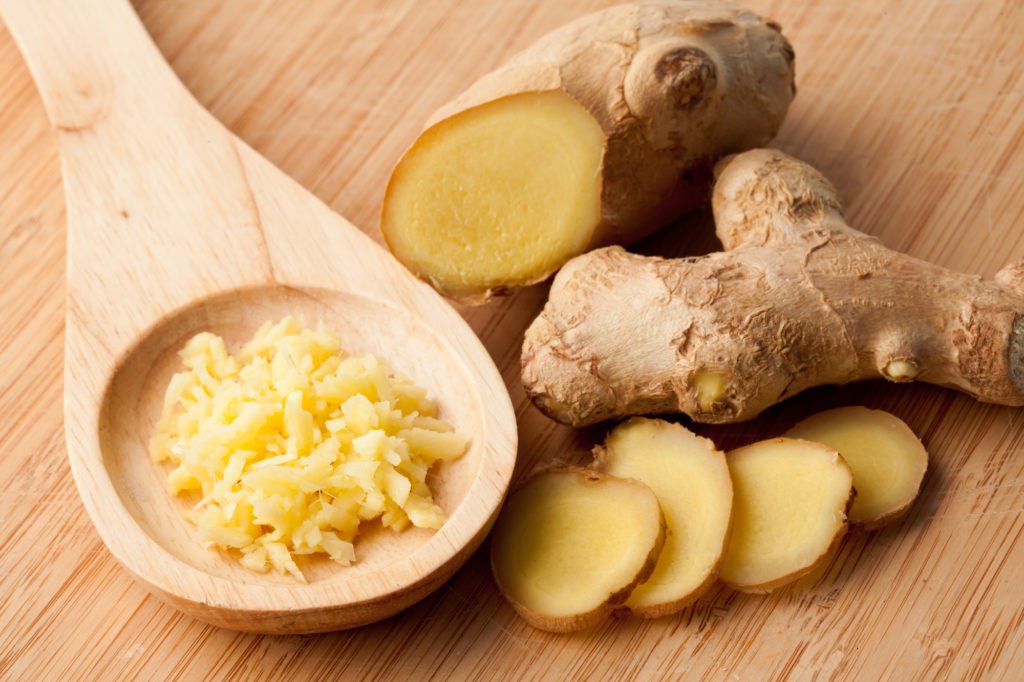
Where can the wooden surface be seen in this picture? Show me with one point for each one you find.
(175, 227)
(914, 109)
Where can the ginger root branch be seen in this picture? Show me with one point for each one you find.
(798, 299)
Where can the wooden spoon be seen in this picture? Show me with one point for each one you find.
(176, 226)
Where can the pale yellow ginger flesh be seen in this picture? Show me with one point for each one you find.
(789, 509)
(291, 444)
(571, 544)
(887, 459)
(691, 480)
(498, 195)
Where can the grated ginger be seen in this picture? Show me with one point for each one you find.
(292, 444)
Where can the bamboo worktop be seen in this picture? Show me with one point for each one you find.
(915, 110)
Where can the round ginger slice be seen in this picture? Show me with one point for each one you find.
(571, 545)
(887, 459)
(691, 480)
(789, 511)
(496, 196)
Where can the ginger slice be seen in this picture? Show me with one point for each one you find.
(887, 459)
(571, 545)
(789, 511)
(691, 479)
(499, 195)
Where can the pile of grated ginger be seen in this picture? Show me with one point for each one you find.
(291, 444)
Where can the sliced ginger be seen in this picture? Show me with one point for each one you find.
(691, 479)
(789, 510)
(574, 545)
(571, 545)
(498, 195)
(887, 459)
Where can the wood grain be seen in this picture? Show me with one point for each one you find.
(913, 109)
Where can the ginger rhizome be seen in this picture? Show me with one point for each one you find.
(598, 134)
(797, 299)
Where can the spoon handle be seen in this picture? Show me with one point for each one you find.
(88, 57)
(159, 207)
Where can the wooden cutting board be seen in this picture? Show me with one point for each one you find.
(914, 109)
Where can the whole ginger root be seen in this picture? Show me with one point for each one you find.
(599, 133)
(797, 299)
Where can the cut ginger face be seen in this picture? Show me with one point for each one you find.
(499, 195)
(789, 510)
(571, 544)
(691, 480)
(887, 459)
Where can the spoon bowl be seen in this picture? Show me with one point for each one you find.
(176, 227)
(156, 540)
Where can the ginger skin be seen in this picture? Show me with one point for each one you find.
(797, 299)
(672, 87)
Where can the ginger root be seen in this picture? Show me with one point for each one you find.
(691, 479)
(798, 299)
(887, 459)
(571, 545)
(789, 512)
(598, 134)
